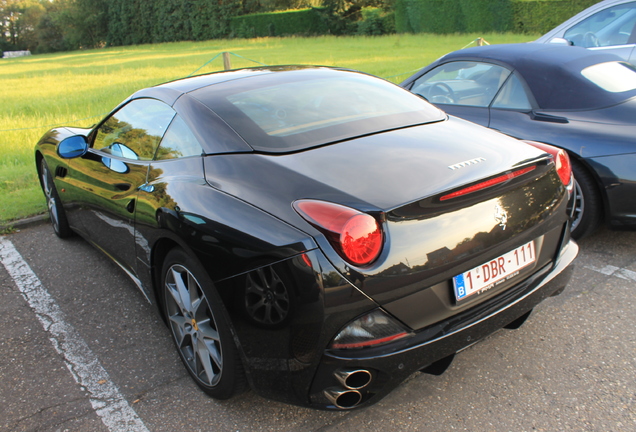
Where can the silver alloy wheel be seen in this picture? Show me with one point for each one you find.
(266, 297)
(193, 325)
(579, 205)
(49, 192)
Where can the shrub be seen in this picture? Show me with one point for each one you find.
(376, 22)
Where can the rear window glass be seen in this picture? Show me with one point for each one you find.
(303, 109)
(613, 77)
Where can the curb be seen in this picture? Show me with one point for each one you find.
(25, 223)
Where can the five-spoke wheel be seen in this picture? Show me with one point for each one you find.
(199, 328)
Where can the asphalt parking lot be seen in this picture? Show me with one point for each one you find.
(82, 350)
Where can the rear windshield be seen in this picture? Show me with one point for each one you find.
(613, 77)
(301, 109)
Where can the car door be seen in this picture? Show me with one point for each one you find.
(107, 178)
(462, 88)
(175, 174)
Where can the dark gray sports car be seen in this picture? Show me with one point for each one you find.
(579, 100)
(313, 233)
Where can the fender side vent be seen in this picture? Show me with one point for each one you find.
(60, 171)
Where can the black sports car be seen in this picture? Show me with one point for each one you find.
(314, 233)
(579, 100)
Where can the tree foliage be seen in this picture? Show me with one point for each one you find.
(18, 22)
(43, 25)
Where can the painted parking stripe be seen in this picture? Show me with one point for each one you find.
(610, 270)
(107, 401)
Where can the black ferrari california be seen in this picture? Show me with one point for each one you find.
(315, 234)
(579, 100)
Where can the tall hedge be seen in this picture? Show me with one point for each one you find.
(293, 22)
(140, 21)
(428, 16)
(486, 15)
(539, 16)
(452, 16)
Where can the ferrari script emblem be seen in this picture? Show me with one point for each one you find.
(466, 163)
(501, 216)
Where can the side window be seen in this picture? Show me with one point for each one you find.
(135, 130)
(178, 142)
(461, 83)
(609, 27)
(512, 96)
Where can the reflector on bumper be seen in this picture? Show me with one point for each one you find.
(373, 329)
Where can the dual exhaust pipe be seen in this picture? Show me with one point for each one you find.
(352, 381)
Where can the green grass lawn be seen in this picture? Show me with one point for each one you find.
(78, 88)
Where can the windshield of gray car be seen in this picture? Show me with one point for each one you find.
(297, 110)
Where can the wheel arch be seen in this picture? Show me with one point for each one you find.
(38, 158)
(598, 184)
(159, 253)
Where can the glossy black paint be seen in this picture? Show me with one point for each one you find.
(598, 136)
(231, 209)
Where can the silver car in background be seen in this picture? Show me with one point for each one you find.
(609, 25)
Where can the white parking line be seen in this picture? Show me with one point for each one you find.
(610, 270)
(108, 403)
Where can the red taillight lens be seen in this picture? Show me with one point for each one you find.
(355, 235)
(561, 160)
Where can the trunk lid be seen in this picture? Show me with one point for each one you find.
(378, 172)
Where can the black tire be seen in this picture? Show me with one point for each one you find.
(199, 327)
(588, 206)
(57, 215)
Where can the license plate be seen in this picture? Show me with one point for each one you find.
(494, 272)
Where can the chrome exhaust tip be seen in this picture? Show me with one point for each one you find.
(353, 379)
(343, 399)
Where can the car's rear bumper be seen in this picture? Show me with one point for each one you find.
(382, 369)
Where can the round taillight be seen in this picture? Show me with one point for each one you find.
(356, 236)
(560, 157)
(361, 239)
